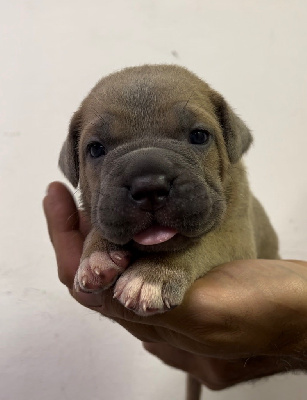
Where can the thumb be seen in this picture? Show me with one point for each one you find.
(63, 226)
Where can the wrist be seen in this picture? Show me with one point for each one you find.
(291, 310)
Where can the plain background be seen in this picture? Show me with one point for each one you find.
(52, 53)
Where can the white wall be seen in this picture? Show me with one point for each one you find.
(52, 52)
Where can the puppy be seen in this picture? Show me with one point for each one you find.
(157, 155)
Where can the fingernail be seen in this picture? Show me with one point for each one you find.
(50, 190)
(128, 302)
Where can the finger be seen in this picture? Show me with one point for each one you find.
(217, 374)
(144, 328)
(153, 329)
(95, 302)
(89, 300)
(84, 223)
(60, 209)
(140, 331)
(63, 225)
(174, 357)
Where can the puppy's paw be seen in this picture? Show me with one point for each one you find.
(100, 270)
(146, 296)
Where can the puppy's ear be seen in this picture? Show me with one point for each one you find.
(237, 136)
(69, 157)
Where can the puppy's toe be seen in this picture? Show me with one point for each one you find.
(99, 271)
(142, 295)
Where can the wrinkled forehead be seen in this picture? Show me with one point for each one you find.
(129, 104)
(150, 87)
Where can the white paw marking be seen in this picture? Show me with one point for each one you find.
(144, 298)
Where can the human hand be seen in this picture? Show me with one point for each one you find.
(219, 373)
(240, 310)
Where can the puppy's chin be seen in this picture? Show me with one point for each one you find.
(154, 236)
(176, 243)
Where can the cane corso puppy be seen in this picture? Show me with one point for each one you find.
(157, 156)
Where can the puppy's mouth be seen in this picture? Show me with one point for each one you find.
(155, 234)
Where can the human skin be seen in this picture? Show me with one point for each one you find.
(244, 320)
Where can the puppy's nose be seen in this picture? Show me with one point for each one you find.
(150, 192)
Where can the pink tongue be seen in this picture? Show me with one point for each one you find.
(154, 235)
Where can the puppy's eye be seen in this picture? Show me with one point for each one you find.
(96, 149)
(199, 136)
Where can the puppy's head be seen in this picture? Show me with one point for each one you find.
(150, 147)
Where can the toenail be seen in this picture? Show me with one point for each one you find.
(84, 281)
